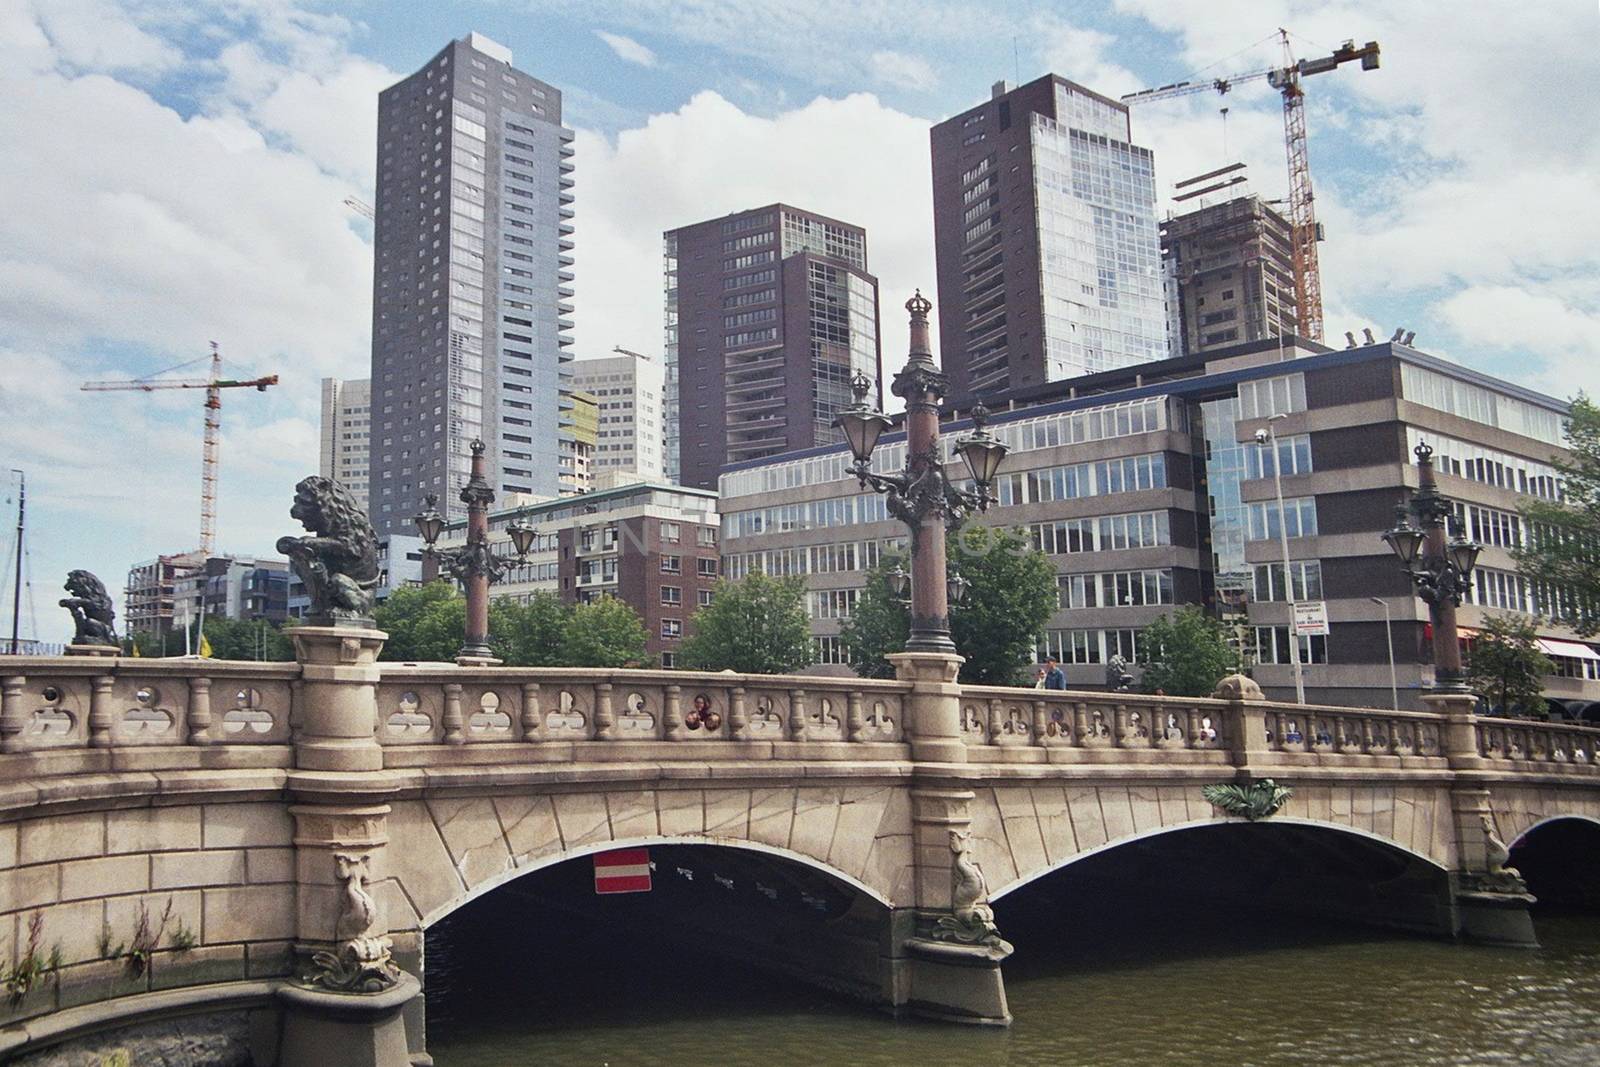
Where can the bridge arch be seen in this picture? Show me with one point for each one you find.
(1376, 840)
(579, 852)
(1559, 858)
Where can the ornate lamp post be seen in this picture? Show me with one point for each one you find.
(920, 495)
(1439, 567)
(473, 564)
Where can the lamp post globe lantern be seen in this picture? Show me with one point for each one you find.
(899, 581)
(921, 495)
(522, 535)
(1440, 567)
(430, 524)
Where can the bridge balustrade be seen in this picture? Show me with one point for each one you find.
(1538, 745)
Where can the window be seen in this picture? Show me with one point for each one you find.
(1305, 574)
(671, 596)
(1299, 519)
(1272, 646)
(705, 535)
(704, 597)
(669, 660)
(1272, 396)
(669, 532)
(1294, 457)
(671, 565)
(706, 568)
(671, 629)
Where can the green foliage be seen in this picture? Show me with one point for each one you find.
(1260, 799)
(1011, 594)
(603, 633)
(424, 622)
(529, 635)
(239, 639)
(1506, 667)
(32, 966)
(1562, 544)
(1186, 653)
(879, 624)
(756, 625)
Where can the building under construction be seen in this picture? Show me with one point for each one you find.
(1229, 265)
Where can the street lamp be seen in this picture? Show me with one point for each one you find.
(1388, 633)
(473, 564)
(920, 495)
(1263, 437)
(1440, 569)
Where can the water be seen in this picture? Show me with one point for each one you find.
(1161, 987)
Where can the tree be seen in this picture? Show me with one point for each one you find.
(1186, 653)
(1506, 667)
(1011, 594)
(756, 625)
(1560, 551)
(603, 633)
(237, 639)
(529, 635)
(424, 622)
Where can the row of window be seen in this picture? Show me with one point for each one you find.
(1146, 529)
(835, 558)
(1269, 644)
(1125, 475)
(705, 567)
(1114, 589)
(672, 596)
(1298, 518)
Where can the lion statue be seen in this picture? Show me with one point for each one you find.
(91, 610)
(339, 562)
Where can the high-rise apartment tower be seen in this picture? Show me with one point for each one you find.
(1230, 262)
(627, 386)
(1045, 239)
(770, 312)
(346, 427)
(470, 290)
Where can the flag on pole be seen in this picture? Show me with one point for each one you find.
(136, 651)
(205, 646)
(625, 870)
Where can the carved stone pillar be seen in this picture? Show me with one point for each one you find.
(13, 719)
(605, 719)
(199, 718)
(100, 713)
(338, 700)
(532, 714)
(672, 714)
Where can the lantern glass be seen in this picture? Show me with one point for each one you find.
(899, 581)
(862, 427)
(956, 587)
(1464, 555)
(983, 453)
(430, 524)
(522, 536)
(1406, 541)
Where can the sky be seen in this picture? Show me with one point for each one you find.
(174, 173)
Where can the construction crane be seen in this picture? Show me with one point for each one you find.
(1302, 203)
(213, 385)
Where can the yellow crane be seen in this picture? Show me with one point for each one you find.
(1302, 203)
(213, 385)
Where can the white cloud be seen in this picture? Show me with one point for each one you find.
(97, 35)
(709, 158)
(1552, 343)
(627, 49)
(901, 70)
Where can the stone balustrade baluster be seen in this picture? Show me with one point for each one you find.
(738, 715)
(13, 719)
(672, 714)
(996, 721)
(454, 733)
(798, 716)
(1119, 726)
(1191, 727)
(605, 716)
(199, 717)
(855, 717)
(1393, 726)
(1041, 721)
(1366, 735)
(1080, 723)
(100, 716)
(532, 714)
(1279, 721)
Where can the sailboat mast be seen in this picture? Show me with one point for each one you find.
(16, 591)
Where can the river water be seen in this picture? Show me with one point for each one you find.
(1156, 988)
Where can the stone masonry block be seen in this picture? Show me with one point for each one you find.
(682, 812)
(153, 829)
(530, 826)
(62, 837)
(249, 913)
(856, 829)
(633, 814)
(728, 813)
(8, 845)
(582, 818)
(816, 813)
(29, 887)
(122, 915)
(248, 826)
(422, 864)
(75, 927)
(772, 815)
(200, 965)
(104, 877)
(264, 866)
(471, 831)
(171, 870)
(1055, 825)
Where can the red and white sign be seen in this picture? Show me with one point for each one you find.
(627, 870)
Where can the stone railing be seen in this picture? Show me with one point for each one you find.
(75, 715)
(134, 710)
(1539, 745)
(576, 713)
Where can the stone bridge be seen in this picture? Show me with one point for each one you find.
(180, 838)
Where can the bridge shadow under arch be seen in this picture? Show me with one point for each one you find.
(724, 927)
(1212, 884)
(1559, 858)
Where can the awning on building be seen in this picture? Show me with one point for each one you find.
(1554, 646)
